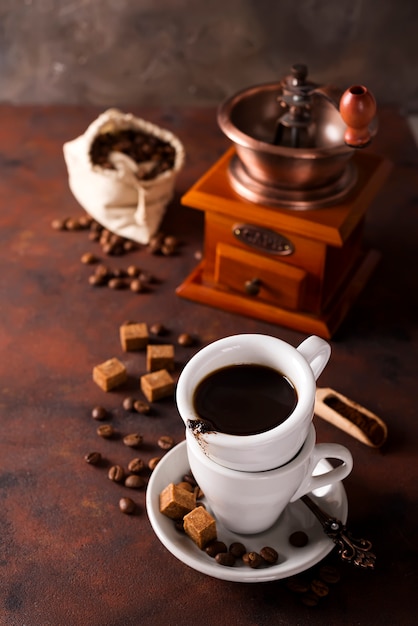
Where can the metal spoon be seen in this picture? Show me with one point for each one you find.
(351, 550)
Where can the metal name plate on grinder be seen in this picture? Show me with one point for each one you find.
(263, 239)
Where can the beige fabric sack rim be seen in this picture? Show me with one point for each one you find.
(117, 198)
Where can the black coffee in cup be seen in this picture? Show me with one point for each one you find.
(243, 399)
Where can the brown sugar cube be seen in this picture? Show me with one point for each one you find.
(176, 502)
(160, 357)
(157, 385)
(134, 336)
(200, 526)
(110, 374)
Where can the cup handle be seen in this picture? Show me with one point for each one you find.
(325, 451)
(316, 351)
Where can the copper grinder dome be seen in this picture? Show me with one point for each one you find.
(294, 140)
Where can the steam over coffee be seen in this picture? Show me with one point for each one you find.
(243, 399)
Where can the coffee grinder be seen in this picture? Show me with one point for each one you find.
(285, 205)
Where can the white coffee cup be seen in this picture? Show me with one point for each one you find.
(272, 448)
(251, 502)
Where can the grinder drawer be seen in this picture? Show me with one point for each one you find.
(259, 277)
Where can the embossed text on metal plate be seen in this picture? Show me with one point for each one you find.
(263, 239)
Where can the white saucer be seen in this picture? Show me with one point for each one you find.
(296, 516)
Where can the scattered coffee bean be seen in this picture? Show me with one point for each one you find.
(189, 478)
(179, 525)
(116, 473)
(154, 247)
(126, 505)
(107, 431)
(133, 271)
(136, 465)
(134, 481)
(171, 241)
(116, 239)
(99, 413)
(88, 258)
(137, 286)
(186, 486)
(113, 249)
(72, 224)
(105, 235)
(58, 224)
(297, 584)
(319, 587)
(146, 277)
(299, 539)
(310, 599)
(129, 404)
(225, 558)
(155, 243)
(122, 247)
(129, 245)
(95, 226)
(119, 272)
(215, 547)
(198, 493)
(165, 442)
(185, 340)
(93, 458)
(142, 407)
(102, 271)
(329, 574)
(237, 549)
(133, 440)
(95, 280)
(117, 283)
(85, 221)
(158, 330)
(253, 559)
(168, 250)
(94, 236)
(152, 463)
(269, 555)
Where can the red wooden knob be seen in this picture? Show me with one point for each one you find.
(357, 108)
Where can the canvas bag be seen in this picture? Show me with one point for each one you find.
(117, 198)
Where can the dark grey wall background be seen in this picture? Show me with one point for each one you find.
(110, 52)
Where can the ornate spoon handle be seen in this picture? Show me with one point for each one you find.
(350, 549)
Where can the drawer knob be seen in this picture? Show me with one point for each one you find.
(252, 287)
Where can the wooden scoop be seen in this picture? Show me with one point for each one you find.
(350, 417)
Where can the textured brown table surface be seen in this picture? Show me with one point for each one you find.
(68, 556)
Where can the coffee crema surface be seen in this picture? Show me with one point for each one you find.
(243, 399)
